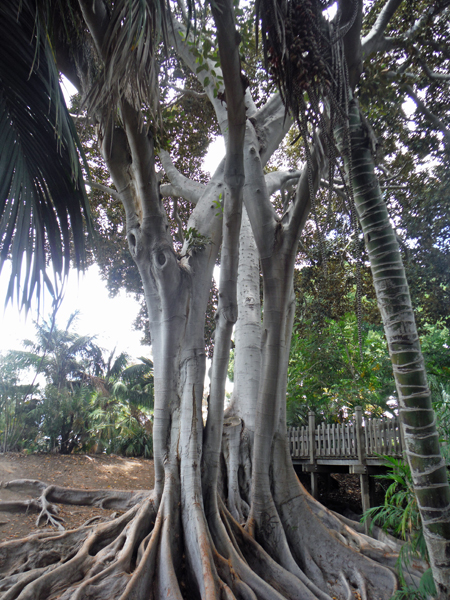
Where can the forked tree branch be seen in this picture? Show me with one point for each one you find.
(385, 44)
(105, 189)
(177, 32)
(428, 72)
(181, 186)
(373, 41)
(185, 92)
(277, 180)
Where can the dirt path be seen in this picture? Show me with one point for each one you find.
(78, 471)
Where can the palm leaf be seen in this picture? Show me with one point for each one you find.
(139, 372)
(43, 203)
(130, 68)
(117, 365)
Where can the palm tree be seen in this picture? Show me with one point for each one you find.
(428, 468)
(121, 419)
(136, 384)
(61, 355)
(43, 203)
(64, 358)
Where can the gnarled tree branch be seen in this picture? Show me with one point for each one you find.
(277, 180)
(105, 189)
(181, 186)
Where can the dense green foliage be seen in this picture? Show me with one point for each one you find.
(78, 399)
(17, 404)
(330, 375)
(399, 516)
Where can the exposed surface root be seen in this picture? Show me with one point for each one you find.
(326, 550)
(115, 499)
(180, 548)
(140, 554)
(92, 561)
(379, 546)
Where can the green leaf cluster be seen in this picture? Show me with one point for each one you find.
(330, 374)
(195, 240)
(399, 516)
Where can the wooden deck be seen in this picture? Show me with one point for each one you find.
(353, 447)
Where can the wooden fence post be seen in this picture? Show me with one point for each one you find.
(364, 477)
(312, 453)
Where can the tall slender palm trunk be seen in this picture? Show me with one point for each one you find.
(419, 423)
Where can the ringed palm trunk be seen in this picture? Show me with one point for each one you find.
(419, 424)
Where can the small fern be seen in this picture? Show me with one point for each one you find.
(399, 515)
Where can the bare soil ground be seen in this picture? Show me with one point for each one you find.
(340, 492)
(77, 471)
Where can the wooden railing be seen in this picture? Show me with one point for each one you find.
(340, 440)
(356, 447)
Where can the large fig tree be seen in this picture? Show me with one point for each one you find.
(227, 518)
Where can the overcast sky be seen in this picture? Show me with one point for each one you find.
(109, 318)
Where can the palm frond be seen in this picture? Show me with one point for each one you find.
(119, 389)
(43, 203)
(130, 71)
(139, 371)
(146, 361)
(117, 365)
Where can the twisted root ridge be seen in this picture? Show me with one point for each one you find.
(180, 545)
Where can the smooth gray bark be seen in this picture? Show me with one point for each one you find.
(232, 211)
